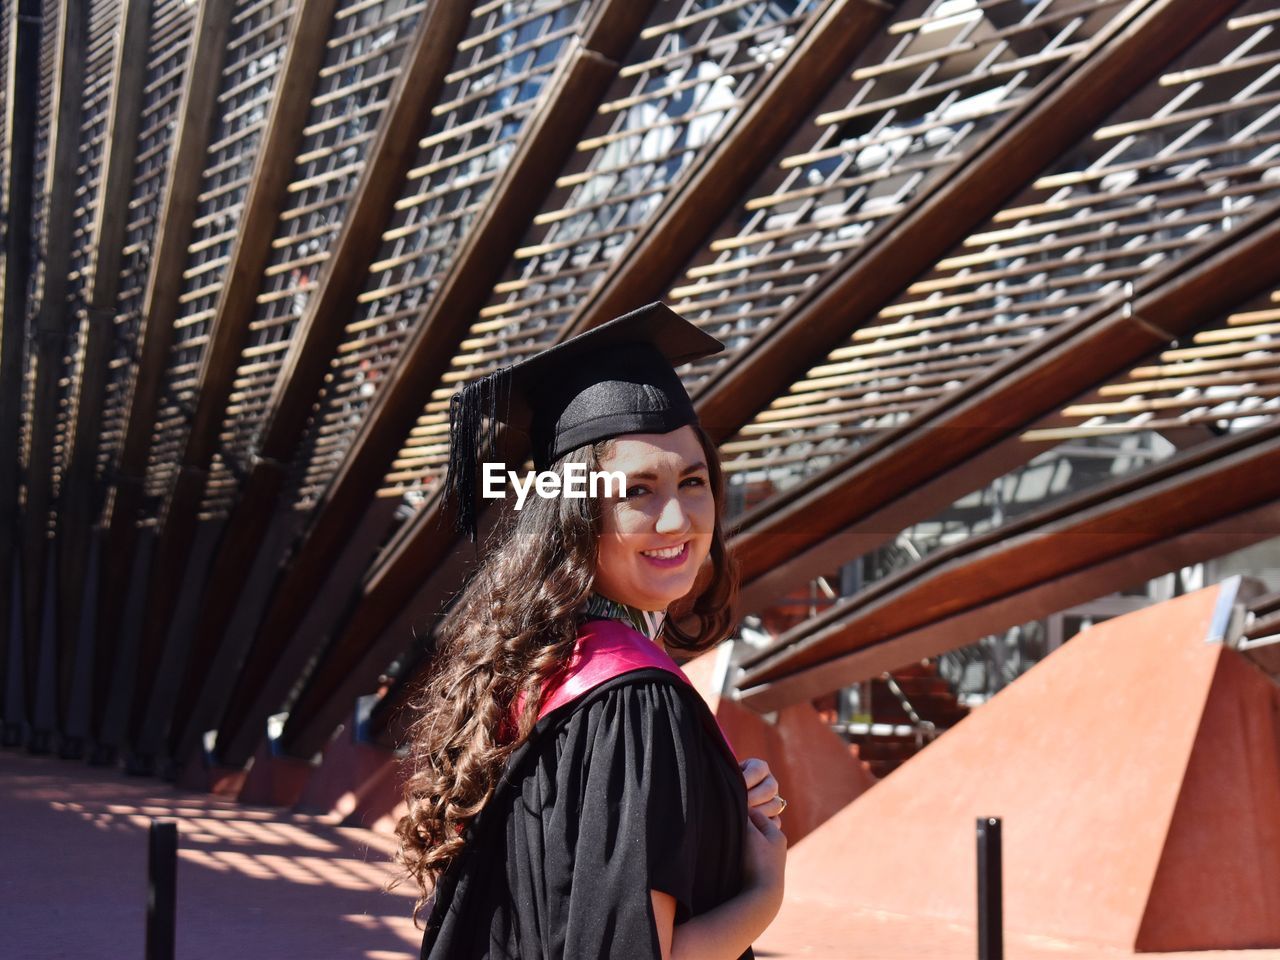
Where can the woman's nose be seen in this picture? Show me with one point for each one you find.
(673, 518)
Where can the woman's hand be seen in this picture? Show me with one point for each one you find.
(762, 789)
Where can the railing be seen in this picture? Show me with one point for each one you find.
(925, 730)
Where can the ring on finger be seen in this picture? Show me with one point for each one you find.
(782, 801)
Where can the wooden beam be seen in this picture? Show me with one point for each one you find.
(273, 166)
(22, 33)
(155, 338)
(416, 90)
(52, 326)
(679, 228)
(582, 79)
(1210, 500)
(78, 507)
(968, 437)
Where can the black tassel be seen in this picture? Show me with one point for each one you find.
(473, 424)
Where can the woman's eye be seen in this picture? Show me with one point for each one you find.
(636, 491)
(696, 481)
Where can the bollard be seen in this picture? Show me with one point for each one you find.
(161, 888)
(990, 891)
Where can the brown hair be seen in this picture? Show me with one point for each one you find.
(511, 630)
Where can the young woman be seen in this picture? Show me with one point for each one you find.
(571, 794)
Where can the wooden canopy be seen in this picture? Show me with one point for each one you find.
(253, 247)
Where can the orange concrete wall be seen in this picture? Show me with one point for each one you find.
(1083, 757)
(1218, 883)
(815, 769)
(274, 781)
(355, 783)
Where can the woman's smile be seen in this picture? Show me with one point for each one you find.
(666, 557)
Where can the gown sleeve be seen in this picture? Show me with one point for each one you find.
(632, 789)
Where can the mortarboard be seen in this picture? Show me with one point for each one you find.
(614, 379)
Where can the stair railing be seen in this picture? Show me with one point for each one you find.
(925, 730)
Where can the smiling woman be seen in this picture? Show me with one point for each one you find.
(570, 794)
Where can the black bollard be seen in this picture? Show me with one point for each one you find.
(990, 891)
(161, 888)
(11, 735)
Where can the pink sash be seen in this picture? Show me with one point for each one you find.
(606, 649)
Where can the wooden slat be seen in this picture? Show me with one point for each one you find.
(951, 120)
(626, 132)
(914, 24)
(680, 23)
(1218, 69)
(1262, 606)
(717, 42)
(836, 413)
(1157, 424)
(1212, 350)
(1073, 240)
(1212, 111)
(512, 24)
(822, 250)
(898, 169)
(1107, 215)
(927, 319)
(937, 90)
(1253, 316)
(922, 368)
(1200, 366)
(1179, 382)
(1250, 21)
(1265, 626)
(1037, 267)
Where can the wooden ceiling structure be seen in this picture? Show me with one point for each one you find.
(252, 247)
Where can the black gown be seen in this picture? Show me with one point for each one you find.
(622, 790)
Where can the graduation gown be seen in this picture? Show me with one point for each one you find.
(624, 785)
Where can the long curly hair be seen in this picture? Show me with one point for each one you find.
(511, 630)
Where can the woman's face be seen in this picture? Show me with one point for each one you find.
(654, 539)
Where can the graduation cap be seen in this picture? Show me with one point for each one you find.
(614, 379)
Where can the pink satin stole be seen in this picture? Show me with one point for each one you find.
(606, 649)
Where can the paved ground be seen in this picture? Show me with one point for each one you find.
(258, 884)
(253, 883)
